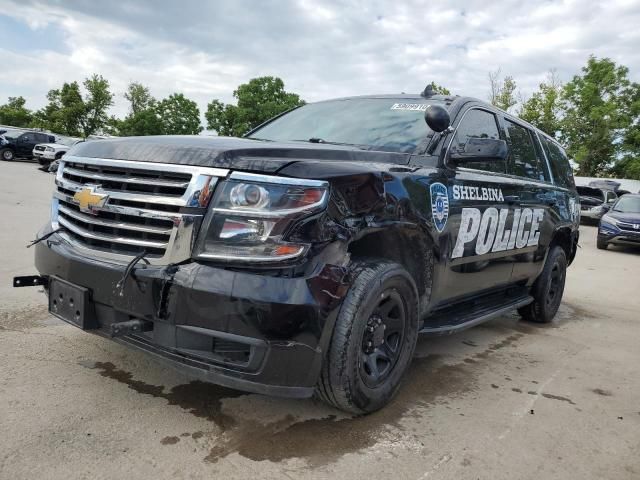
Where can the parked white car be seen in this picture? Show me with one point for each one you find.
(46, 153)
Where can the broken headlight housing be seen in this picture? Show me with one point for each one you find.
(251, 214)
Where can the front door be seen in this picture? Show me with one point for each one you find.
(478, 245)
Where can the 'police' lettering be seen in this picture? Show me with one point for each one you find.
(490, 232)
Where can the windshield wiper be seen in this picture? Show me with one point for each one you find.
(321, 140)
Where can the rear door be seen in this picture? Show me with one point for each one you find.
(534, 201)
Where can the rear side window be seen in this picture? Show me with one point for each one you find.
(559, 163)
(523, 157)
(478, 124)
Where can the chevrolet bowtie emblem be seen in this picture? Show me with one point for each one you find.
(89, 199)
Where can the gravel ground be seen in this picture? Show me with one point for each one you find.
(506, 399)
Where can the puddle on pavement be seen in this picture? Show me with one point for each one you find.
(318, 441)
(201, 399)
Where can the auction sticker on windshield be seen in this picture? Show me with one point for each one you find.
(420, 107)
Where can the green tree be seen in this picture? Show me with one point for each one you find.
(257, 101)
(15, 113)
(543, 109)
(64, 111)
(179, 115)
(439, 89)
(96, 103)
(139, 97)
(629, 165)
(502, 92)
(596, 106)
(69, 113)
(145, 122)
(143, 117)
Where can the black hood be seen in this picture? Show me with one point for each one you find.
(226, 152)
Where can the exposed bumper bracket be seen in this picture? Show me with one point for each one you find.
(30, 281)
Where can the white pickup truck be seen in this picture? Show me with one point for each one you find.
(46, 153)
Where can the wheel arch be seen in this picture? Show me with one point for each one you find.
(567, 239)
(410, 248)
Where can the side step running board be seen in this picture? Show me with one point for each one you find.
(475, 317)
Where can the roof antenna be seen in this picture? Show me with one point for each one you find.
(428, 91)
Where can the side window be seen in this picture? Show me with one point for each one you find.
(28, 138)
(478, 124)
(42, 138)
(523, 157)
(559, 163)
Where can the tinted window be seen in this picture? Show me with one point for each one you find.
(478, 124)
(29, 138)
(559, 163)
(387, 124)
(523, 157)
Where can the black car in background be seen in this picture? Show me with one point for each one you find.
(20, 143)
(594, 202)
(621, 224)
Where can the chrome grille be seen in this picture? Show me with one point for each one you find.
(628, 226)
(151, 207)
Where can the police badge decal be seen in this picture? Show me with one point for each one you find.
(439, 205)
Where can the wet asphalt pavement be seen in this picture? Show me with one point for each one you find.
(506, 399)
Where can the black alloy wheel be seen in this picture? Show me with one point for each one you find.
(382, 339)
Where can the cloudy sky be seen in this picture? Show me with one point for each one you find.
(320, 49)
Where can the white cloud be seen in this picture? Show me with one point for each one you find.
(320, 50)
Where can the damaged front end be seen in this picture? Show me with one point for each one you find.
(197, 266)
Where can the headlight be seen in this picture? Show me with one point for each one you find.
(250, 216)
(49, 149)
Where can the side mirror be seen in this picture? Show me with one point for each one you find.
(481, 150)
(605, 207)
(437, 118)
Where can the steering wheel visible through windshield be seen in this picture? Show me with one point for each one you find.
(386, 124)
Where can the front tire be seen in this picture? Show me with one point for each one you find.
(548, 289)
(373, 339)
(7, 154)
(601, 244)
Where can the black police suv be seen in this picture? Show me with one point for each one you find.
(308, 256)
(20, 143)
(621, 224)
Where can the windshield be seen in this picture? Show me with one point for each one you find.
(590, 192)
(628, 204)
(387, 124)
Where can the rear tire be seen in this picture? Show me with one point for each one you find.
(601, 244)
(7, 154)
(548, 289)
(373, 339)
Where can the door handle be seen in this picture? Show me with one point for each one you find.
(512, 198)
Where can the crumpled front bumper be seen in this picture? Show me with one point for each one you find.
(240, 329)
